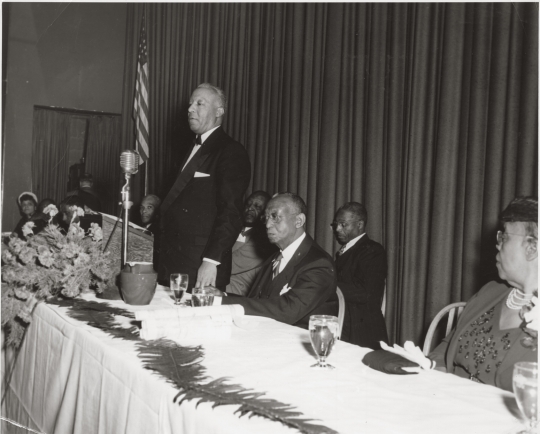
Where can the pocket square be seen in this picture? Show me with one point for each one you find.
(285, 289)
(201, 175)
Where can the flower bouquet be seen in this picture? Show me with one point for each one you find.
(50, 263)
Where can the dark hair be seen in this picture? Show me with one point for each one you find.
(27, 197)
(261, 193)
(523, 209)
(45, 203)
(299, 205)
(357, 209)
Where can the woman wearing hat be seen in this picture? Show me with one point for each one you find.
(28, 205)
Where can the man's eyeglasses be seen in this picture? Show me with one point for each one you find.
(502, 236)
(275, 218)
(335, 225)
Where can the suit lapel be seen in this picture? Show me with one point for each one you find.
(284, 278)
(239, 244)
(359, 244)
(263, 279)
(209, 145)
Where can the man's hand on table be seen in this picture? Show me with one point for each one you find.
(206, 275)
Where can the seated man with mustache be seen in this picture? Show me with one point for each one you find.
(295, 282)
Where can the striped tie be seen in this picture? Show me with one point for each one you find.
(275, 265)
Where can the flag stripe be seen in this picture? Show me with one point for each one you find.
(141, 99)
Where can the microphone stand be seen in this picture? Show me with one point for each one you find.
(126, 205)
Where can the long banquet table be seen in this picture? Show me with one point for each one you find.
(73, 378)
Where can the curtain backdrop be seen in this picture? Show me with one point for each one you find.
(103, 159)
(50, 154)
(426, 113)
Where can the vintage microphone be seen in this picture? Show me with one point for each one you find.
(129, 162)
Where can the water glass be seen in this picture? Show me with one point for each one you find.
(525, 383)
(179, 285)
(202, 297)
(323, 330)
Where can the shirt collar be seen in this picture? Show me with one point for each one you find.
(289, 251)
(353, 242)
(204, 136)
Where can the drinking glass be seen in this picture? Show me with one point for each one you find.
(179, 285)
(525, 382)
(323, 330)
(202, 297)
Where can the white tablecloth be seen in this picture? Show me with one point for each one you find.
(72, 378)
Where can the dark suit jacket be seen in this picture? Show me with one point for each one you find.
(490, 295)
(201, 217)
(361, 274)
(247, 259)
(310, 275)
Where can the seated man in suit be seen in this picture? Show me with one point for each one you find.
(252, 247)
(361, 271)
(299, 278)
(150, 213)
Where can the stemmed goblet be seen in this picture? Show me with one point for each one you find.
(323, 330)
(525, 383)
(179, 285)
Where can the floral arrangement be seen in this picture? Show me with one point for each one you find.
(50, 263)
(529, 314)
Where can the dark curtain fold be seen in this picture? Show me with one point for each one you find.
(102, 159)
(50, 154)
(426, 113)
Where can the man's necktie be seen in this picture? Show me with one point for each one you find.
(197, 140)
(275, 265)
(342, 250)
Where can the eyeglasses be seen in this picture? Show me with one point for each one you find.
(335, 225)
(502, 236)
(274, 217)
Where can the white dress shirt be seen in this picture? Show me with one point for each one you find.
(242, 234)
(352, 242)
(289, 251)
(204, 136)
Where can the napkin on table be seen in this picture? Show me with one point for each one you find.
(410, 352)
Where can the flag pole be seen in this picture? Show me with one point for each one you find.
(146, 179)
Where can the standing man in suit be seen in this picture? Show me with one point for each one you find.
(201, 216)
(252, 247)
(361, 270)
(299, 278)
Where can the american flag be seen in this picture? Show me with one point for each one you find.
(140, 106)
